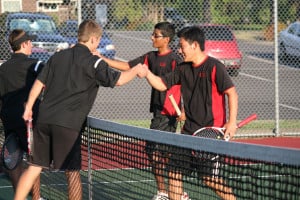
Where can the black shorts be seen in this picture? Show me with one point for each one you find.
(208, 167)
(56, 144)
(178, 158)
(163, 123)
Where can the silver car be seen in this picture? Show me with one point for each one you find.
(289, 41)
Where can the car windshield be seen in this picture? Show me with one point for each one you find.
(217, 33)
(33, 25)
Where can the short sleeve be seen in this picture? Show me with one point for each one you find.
(106, 76)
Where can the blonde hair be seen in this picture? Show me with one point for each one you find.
(87, 29)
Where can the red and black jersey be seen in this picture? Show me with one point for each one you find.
(160, 65)
(202, 89)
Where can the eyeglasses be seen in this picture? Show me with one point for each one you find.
(156, 36)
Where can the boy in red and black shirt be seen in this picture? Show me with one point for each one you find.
(160, 63)
(204, 85)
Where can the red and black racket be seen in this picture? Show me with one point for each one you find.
(218, 133)
(29, 137)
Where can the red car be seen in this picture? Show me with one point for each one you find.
(221, 43)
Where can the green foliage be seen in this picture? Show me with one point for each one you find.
(238, 13)
(191, 13)
(147, 26)
(130, 9)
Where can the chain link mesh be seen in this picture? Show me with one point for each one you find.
(129, 24)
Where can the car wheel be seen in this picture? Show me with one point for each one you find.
(282, 52)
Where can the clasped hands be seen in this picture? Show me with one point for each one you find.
(142, 70)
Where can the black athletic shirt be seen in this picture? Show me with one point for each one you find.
(159, 64)
(72, 78)
(202, 89)
(16, 78)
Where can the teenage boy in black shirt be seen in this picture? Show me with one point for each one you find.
(160, 62)
(17, 75)
(204, 85)
(71, 79)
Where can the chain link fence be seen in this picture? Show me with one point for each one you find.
(268, 78)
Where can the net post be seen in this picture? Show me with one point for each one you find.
(90, 185)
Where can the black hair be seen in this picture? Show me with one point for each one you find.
(167, 29)
(193, 34)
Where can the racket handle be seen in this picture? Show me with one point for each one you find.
(174, 104)
(29, 136)
(227, 138)
(247, 120)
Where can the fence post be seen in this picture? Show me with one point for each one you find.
(276, 81)
(90, 181)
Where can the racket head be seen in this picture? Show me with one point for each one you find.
(208, 132)
(11, 152)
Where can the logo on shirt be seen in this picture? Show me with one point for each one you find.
(162, 64)
(202, 74)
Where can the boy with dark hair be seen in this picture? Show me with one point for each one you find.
(204, 85)
(16, 78)
(71, 80)
(160, 62)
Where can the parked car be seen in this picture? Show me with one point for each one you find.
(173, 16)
(221, 43)
(69, 30)
(289, 41)
(5, 50)
(48, 41)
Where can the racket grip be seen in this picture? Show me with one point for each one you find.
(174, 104)
(227, 138)
(29, 136)
(247, 120)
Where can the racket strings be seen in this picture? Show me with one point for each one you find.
(210, 133)
(11, 157)
(12, 153)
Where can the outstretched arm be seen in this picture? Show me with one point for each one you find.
(130, 74)
(33, 95)
(117, 64)
(155, 81)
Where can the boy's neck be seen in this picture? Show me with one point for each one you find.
(163, 50)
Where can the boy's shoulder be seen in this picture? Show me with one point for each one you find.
(171, 55)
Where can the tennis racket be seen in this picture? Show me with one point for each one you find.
(174, 104)
(217, 133)
(29, 137)
(11, 153)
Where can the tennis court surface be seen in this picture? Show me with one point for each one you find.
(115, 166)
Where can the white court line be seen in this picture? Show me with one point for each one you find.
(290, 107)
(256, 77)
(269, 80)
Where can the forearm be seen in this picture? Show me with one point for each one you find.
(127, 76)
(156, 82)
(33, 95)
(233, 105)
(117, 64)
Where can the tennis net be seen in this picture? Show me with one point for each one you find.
(210, 169)
(115, 165)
